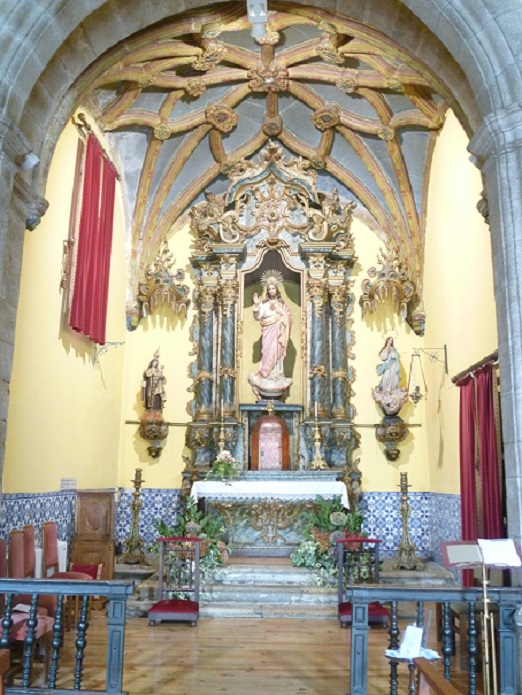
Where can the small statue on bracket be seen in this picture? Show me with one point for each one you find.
(152, 426)
(153, 386)
(390, 396)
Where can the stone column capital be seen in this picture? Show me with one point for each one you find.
(499, 133)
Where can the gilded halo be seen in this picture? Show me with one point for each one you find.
(272, 277)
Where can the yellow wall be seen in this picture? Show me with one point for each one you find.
(379, 474)
(64, 415)
(170, 334)
(459, 295)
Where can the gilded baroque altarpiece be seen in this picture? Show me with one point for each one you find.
(272, 220)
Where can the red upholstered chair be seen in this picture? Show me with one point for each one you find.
(16, 555)
(21, 565)
(178, 583)
(22, 551)
(3, 558)
(357, 563)
(51, 570)
(29, 552)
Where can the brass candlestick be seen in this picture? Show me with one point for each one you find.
(133, 547)
(406, 549)
(317, 463)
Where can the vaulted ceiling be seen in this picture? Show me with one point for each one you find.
(188, 98)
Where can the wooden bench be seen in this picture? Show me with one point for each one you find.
(428, 677)
(5, 661)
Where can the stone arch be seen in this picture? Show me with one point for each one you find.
(47, 53)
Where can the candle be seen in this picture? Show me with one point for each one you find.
(222, 410)
(316, 410)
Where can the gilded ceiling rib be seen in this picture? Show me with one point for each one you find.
(191, 78)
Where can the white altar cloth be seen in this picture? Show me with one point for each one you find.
(280, 489)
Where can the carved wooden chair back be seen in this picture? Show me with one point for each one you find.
(3, 558)
(29, 552)
(50, 548)
(16, 555)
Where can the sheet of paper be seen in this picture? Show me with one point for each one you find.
(500, 552)
(411, 642)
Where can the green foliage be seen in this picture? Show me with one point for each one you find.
(329, 517)
(193, 522)
(322, 511)
(323, 564)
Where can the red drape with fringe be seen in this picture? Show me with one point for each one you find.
(468, 497)
(492, 526)
(89, 303)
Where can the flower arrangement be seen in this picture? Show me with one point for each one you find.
(191, 521)
(224, 468)
(326, 522)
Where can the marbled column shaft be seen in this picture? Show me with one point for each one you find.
(206, 352)
(317, 347)
(339, 356)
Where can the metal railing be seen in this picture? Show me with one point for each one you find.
(507, 601)
(116, 593)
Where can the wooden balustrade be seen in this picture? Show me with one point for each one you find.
(116, 593)
(506, 599)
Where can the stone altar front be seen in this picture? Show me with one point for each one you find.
(263, 513)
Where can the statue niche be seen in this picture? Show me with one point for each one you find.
(270, 446)
(270, 382)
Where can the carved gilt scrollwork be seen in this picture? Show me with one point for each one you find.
(318, 370)
(229, 295)
(273, 194)
(338, 297)
(211, 55)
(328, 47)
(206, 301)
(272, 516)
(390, 282)
(162, 285)
(316, 289)
(268, 78)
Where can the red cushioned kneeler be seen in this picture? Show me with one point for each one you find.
(178, 587)
(174, 609)
(377, 614)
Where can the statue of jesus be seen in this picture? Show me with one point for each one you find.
(276, 323)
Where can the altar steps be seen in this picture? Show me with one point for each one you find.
(270, 591)
(274, 588)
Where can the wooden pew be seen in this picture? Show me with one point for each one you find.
(430, 679)
(5, 661)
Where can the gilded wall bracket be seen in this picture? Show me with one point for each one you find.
(390, 282)
(163, 285)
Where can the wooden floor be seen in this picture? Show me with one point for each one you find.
(236, 657)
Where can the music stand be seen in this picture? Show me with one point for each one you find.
(502, 553)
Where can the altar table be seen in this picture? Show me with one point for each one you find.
(265, 517)
(262, 489)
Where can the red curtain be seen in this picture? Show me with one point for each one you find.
(468, 497)
(89, 302)
(491, 502)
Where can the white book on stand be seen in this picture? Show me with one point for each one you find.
(501, 552)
